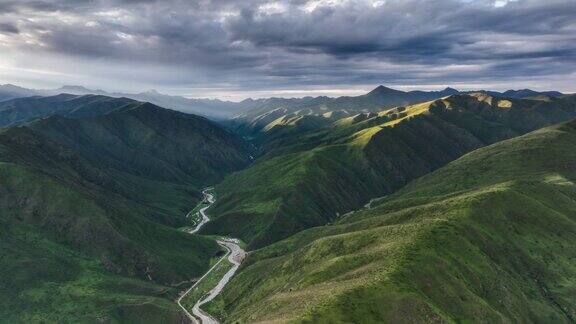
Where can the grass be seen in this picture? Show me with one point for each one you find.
(64, 256)
(484, 239)
(87, 223)
(94, 293)
(207, 283)
(309, 179)
(151, 142)
(299, 178)
(84, 237)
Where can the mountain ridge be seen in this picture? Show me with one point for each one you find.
(221, 109)
(484, 238)
(90, 205)
(312, 178)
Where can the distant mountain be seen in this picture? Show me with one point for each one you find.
(265, 112)
(9, 91)
(212, 108)
(525, 93)
(254, 114)
(486, 239)
(77, 90)
(308, 178)
(89, 200)
(384, 97)
(21, 110)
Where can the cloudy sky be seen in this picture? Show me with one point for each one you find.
(234, 49)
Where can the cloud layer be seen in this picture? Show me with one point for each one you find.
(263, 47)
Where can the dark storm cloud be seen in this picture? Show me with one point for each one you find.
(8, 28)
(405, 30)
(292, 43)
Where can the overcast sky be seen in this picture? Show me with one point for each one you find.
(235, 49)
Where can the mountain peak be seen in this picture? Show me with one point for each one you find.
(380, 90)
(80, 90)
(74, 87)
(9, 86)
(449, 89)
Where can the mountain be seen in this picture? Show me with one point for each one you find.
(487, 238)
(22, 110)
(461, 224)
(526, 93)
(311, 179)
(148, 141)
(212, 108)
(9, 91)
(89, 205)
(76, 244)
(134, 137)
(251, 115)
(264, 113)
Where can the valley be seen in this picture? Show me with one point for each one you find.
(213, 281)
(89, 211)
(485, 237)
(455, 184)
(287, 161)
(307, 178)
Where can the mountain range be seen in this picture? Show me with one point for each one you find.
(486, 238)
(392, 206)
(90, 202)
(217, 109)
(309, 178)
(253, 109)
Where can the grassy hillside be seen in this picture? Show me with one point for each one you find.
(21, 110)
(266, 112)
(310, 179)
(151, 142)
(486, 238)
(89, 208)
(68, 212)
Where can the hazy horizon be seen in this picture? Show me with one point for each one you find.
(287, 93)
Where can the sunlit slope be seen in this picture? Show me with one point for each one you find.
(266, 112)
(310, 179)
(487, 238)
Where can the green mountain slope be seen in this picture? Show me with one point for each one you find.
(487, 238)
(88, 210)
(266, 112)
(85, 234)
(21, 110)
(311, 179)
(148, 141)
